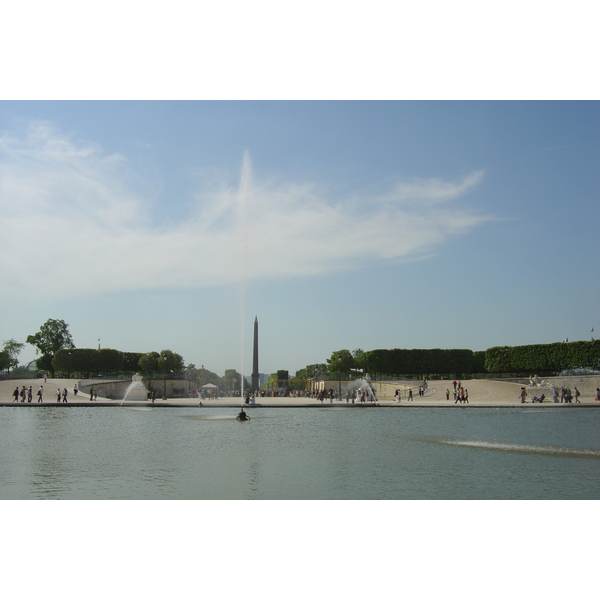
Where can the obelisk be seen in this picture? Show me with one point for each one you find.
(255, 375)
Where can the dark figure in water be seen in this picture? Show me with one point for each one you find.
(242, 416)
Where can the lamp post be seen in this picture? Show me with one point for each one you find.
(165, 385)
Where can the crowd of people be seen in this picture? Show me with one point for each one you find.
(459, 393)
(361, 395)
(565, 396)
(26, 394)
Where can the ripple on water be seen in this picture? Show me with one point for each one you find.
(525, 448)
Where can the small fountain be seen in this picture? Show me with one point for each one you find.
(364, 389)
(136, 390)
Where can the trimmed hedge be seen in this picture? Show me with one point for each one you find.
(423, 362)
(543, 357)
(85, 360)
(533, 358)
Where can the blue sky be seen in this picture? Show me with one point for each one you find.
(363, 224)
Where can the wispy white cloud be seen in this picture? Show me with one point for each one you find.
(73, 224)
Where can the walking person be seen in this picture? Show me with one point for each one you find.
(597, 397)
(64, 395)
(40, 393)
(16, 394)
(576, 393)
(58, 395)
(91, 394)
(30, 394)
(23, 393)
(523, 395)
(447, 394)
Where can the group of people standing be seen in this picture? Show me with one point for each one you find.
(23, 393)
(409, 395)
(64, 394)
(459, 393)
(565, 395)
(61, 394)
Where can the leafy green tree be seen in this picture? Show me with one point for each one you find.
(63, 361)
(282, 378)
(131, 361)
(45, 363)
(148, 362)
(170, 361)
(297, 383)
(311, 371)
(53, 336)
(191, 371)
(360, 359)
(272, 382)
(12, 348)
(340, 362)
(232, 380)
(4, 360)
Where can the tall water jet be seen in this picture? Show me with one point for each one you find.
(136, 389)
(244, 195)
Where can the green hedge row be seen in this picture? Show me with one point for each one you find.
(537, 358)
(543, 357)
(88, 360)
(423, 362)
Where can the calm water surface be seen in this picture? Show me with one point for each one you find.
(299, 453)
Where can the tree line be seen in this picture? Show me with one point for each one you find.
(543, 358)
(107, 360)
(58, 353)
(405, 363)
(416, 363)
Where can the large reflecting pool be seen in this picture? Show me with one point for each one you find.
(299, 453)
